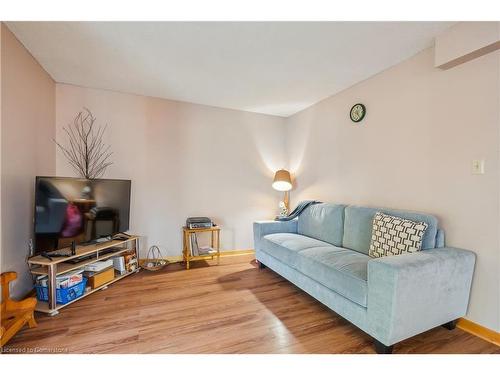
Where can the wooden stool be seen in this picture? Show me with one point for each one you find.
(14, 314)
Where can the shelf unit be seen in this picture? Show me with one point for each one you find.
(66, 267)
(42, 266)
(186, 249)
(43, 306)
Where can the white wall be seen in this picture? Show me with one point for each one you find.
(184, 160)
(28, 118)
(413, 151)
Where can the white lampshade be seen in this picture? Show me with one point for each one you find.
(282, 180)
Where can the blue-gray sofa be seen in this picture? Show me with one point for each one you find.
(325, 253)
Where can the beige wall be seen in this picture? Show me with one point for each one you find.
(28, 126)
(184, 160)
(413, 150)
(465, 41)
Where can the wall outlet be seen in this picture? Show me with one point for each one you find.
(478, 166)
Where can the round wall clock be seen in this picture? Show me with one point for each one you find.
(358, 112)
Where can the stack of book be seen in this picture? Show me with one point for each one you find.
(200, 250)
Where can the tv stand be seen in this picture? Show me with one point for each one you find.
(50, 256)
(102, 240)
(119, 236)
(59, 264)
(96, 241)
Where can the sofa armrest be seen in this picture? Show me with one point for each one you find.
(262, 228)
(412, 293)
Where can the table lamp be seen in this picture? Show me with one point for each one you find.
(283, 182)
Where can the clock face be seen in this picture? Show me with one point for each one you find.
(358, 111)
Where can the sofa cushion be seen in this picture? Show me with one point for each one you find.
(285, 246)
(323, 221)
(358, 227)
(342, 270)
(392, 235)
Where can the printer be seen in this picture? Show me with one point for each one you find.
(199, 222)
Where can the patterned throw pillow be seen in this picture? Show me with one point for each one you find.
(392, 235)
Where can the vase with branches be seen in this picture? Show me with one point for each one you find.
(86, 151)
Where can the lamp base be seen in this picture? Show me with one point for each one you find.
(286, 200)
(283, 209)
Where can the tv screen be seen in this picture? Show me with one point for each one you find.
(75, 209)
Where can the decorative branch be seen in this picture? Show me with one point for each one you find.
(86, 152)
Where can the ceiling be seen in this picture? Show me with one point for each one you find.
(276, 68)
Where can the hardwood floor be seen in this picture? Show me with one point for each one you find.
(231, 308)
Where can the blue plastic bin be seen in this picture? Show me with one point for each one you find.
(62, 295)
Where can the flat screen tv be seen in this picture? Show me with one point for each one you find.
(75, 209)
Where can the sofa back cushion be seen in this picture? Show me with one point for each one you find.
(358, 224)
(323, 221)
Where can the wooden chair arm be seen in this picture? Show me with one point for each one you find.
(7, 277)
(26, 304)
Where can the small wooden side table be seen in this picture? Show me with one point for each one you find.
(187, 251)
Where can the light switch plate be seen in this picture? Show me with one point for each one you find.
(478, 166)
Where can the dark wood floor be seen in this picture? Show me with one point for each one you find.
(231, 308)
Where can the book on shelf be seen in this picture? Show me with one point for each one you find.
(197, 250)
(194, 245)
(206, 250)
(63, 281)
